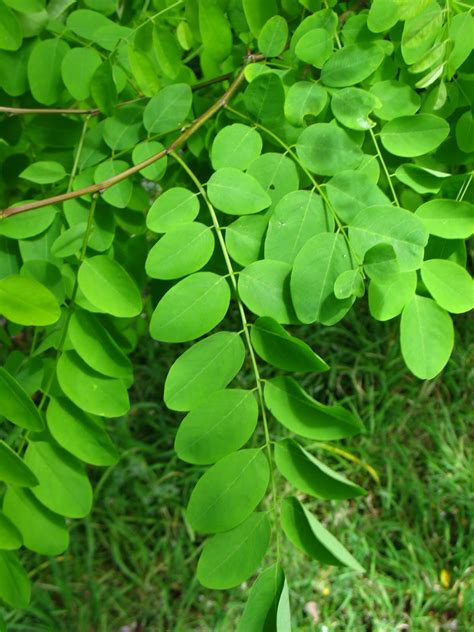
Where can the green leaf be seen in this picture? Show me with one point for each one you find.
(183, 250)
(220, 425)
(229, 491)
(103, 89)
(264, 287)
(10, 30)
(352, 191)
(244, 238)
(167, 51)
(352, 106)
(349, 283)
(297, 217)
(264, 98)
(447, 218)
(449, 284)
(391, 225)
(171, 209)
(119, 194)
(387, 298)
(230, 558)
(42, 530)
(304, 98)
(302, 414)
(267, 606)
(420, 31)
(315, 47)
(109, 287)
(10, 537)
(426, 337)
(93, 343)
(13, 470)
(461, 33)
(325, 19)
(44, 172)
(105, 396)
(315, 270)
(144, 71)
(258, 12)
(44, 70)
(351, 64)
(80, 434)
(276, 173)
(272, 38)
(15, 589)
(16, 406)
(340, 153)
(143, 151)
(25, 301)
(215, 30)
(191, 308)
(168, 109)
(396, 98)
(63, 485)
(77, 69)
(86, 23)
(311, 476)
(465, 132)
(381, 263)
(277, 347)
(70, 241)
(30, 224)
(415, 135)
(235, 146)
(237, 193)
(309, 535)
(383, 14)
(206, 367)
(420, 179)
(124, 129)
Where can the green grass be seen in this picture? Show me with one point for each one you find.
(130, 567)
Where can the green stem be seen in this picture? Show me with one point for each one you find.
(245, 325)
(464, 188)
(384, 167)
(78, 152)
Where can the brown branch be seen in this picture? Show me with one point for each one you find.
(182, 138)
(12, 111)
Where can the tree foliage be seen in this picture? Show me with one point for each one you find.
(169, 163)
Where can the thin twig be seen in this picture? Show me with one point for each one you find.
(12, 111)
(100, 187)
